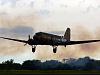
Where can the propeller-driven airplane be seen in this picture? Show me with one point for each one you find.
(42, 38)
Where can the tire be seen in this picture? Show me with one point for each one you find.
(54, 50)
(33, 50)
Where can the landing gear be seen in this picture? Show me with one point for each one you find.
(65, 45)
(54, 49)
(33, 48)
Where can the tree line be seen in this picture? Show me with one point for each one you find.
(79, 64)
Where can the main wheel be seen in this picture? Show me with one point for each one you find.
(54, 50)
(33, 50)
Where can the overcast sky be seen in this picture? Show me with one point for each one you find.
(19, 18)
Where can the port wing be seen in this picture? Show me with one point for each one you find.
(23, 41)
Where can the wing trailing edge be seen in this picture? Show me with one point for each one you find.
(82, 42)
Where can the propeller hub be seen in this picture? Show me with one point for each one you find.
(29, 41)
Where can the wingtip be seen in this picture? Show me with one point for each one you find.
(1, 37)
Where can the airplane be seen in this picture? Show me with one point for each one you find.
(42, 38)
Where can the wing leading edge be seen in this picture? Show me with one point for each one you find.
(23, 41)
(82, 42)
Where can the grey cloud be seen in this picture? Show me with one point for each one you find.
(32, 4)
(12, 2)
(3, 13)
(48, 1)
(82, 1)
(64, 5)
(99, 6)
(43, 12)
(90, 7)
(21, 31)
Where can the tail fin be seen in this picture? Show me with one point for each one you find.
(67, 34)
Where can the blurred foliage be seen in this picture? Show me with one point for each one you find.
(78, 64)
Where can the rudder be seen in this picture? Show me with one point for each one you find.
(67, 34)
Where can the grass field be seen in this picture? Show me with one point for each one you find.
(31, 72)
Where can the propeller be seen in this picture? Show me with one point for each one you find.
(28, 39)
(25, 44)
